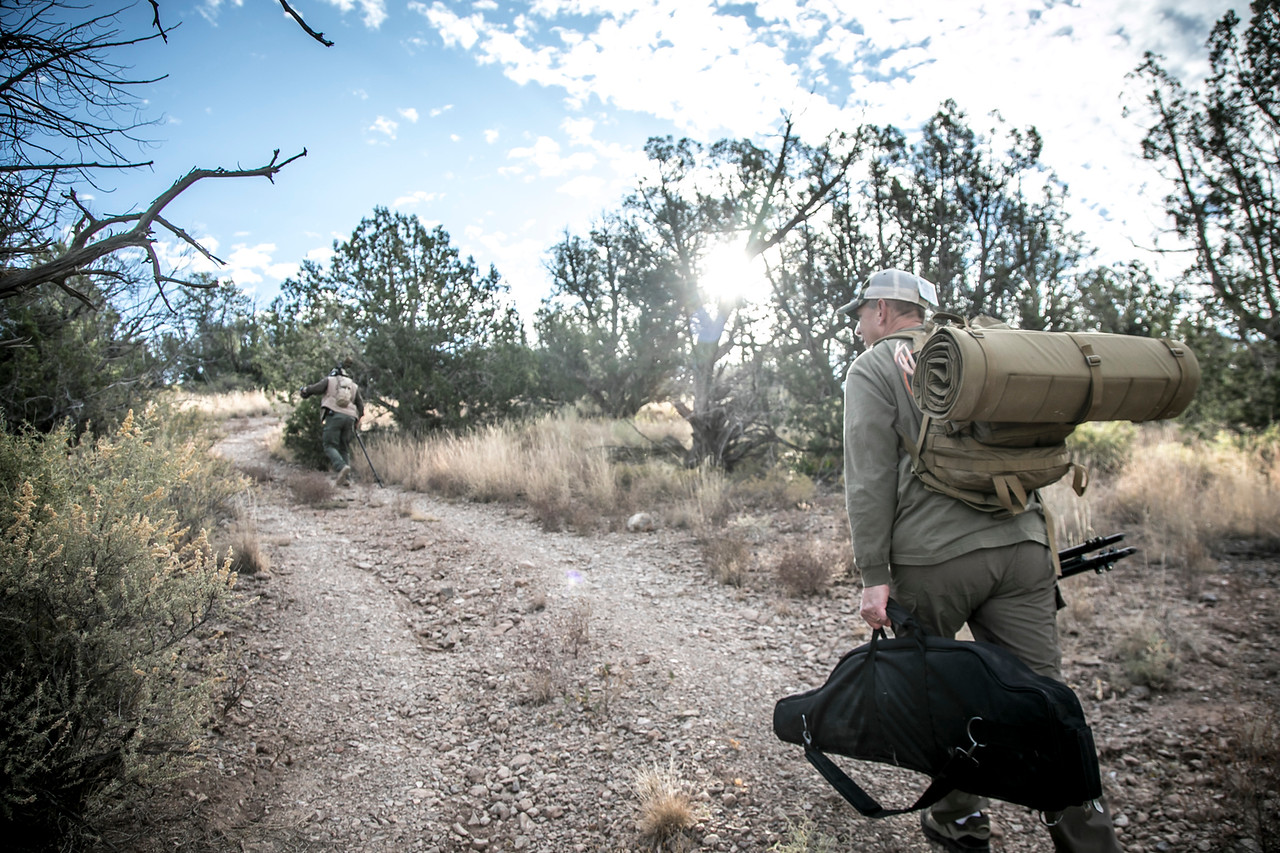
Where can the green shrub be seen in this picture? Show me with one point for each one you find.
(302, 435)
(103, 584)
(1104, 447)
(1147, 657)
(774, 488)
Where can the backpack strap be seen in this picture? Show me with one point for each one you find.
(1094, 361)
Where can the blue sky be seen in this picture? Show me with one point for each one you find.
(507, 123)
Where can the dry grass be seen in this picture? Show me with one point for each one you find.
(1188, 496)
(803, 570)
(549, 649)
(549, 463)
(247, 556)
(1249, 773)
(258, 473)
(560, 467)
(228, 404)
(311, 488)
(728, 558)
(1148, 656)
(1180, 496)
(775, 488)
(804, 838)
(666, 806)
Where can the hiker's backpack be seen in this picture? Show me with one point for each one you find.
(999, 403)
(969, 715)
(344, 391)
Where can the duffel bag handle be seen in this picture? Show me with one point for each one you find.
(904, 625)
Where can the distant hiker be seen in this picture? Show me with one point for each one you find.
(341, 408)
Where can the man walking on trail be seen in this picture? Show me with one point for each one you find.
(341, 408)
(943, 560)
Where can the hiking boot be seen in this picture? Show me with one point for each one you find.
(344, 476)
(972, 835)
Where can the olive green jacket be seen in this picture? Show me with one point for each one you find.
(893, 518)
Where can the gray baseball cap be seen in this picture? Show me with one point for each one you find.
(893, 284)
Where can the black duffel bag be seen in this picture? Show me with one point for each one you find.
(970, 715)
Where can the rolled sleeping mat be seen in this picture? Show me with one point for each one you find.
(1017, 376)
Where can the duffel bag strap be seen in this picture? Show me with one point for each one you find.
(904, 624)
(860, 799)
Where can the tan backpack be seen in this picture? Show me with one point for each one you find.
(999, 403)
(344, 391)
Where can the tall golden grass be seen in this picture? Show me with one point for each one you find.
(228, 404)
(1181, 494)
(562, 467)
(1178, 493)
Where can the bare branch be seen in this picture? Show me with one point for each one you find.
(45, 167)
(96, 238)
(315, 35)
(187, 238)
(155, 21)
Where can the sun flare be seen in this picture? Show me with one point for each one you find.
(730, 276)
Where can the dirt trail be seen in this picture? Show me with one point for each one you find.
(424, 675)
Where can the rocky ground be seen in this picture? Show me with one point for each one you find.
(421, 675)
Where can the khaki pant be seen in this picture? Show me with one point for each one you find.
(1006, 595)
(336, 437)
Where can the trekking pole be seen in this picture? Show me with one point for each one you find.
(367, 459)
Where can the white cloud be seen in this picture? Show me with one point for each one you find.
(673, 59)
(250, 264)
(409, 113)
(584, 187)
(245, 264)
(518, 258)
(209, 9)
(1060, 66)
(361, 94)
(491, 136)
(320, 254)
(374, 11)
(545, 156)
(385, 126)
(456, 31)
(415, 198)
(439, 111)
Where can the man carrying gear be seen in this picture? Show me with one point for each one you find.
(943, 560)
(341, 408)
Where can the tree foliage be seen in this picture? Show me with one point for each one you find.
(978, 213)
(1219, 151)
(741, 195)
(214, 340)
(434, 340)
(605, 329)
(69, 361)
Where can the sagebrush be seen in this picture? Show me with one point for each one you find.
(104, 583)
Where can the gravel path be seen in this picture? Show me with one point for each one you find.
(424, 675)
